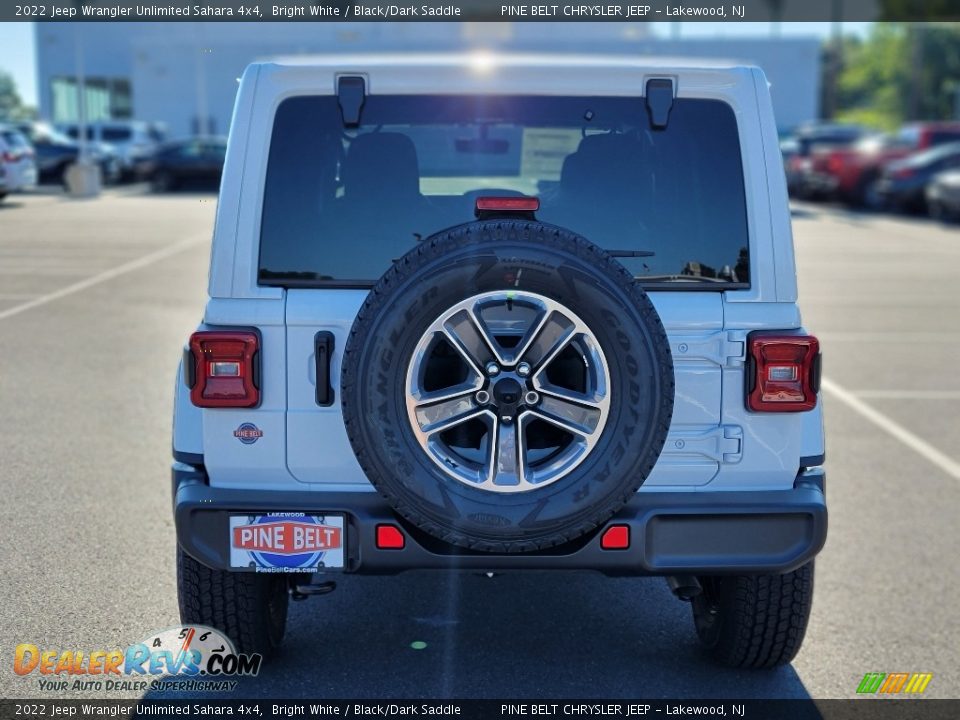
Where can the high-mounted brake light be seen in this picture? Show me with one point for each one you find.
(783, 372)
(507, 205)
(224, 372)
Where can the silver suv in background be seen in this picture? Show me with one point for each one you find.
(135, 143)
(18, 166)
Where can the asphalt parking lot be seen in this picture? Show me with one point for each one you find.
(96, 299)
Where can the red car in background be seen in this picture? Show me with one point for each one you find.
(851, 173)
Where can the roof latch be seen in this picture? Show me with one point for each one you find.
(351, 94)
(659, 102)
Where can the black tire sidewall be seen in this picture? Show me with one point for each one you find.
(529, 257)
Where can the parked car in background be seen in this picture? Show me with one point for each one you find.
(903, 183)
(18, 166)
(853, 172)
(196, 162)
(803, 180)
(55, 152)
(134, 141)
(943, 196)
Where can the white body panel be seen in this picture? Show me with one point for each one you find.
(714, 442)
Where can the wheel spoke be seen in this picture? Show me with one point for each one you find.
(551, 336)
(568, 411)
(506, 466)
(466, 335)
(435, 415)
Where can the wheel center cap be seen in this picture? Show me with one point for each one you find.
(507, 392)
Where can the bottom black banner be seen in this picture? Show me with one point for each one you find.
(857, 708)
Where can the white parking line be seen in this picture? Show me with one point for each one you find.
(914, 442)
(76, 287)
(908, 394)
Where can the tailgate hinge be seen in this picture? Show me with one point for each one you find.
(722, 444)
(725, 349)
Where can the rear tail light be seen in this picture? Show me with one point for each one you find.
(835, 163)
(9, 157)
(783, 372)
(902, 173)
(224, 368)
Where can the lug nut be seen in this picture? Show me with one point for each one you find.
(523, 369)
(482, 397)
(506, 419)
(531, 398)
(492, 369)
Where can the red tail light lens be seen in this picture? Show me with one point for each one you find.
(903, 173)
(835, 163)
(783, 373)
(224, 369)
(8, 157)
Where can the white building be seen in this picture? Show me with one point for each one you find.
(184, 73)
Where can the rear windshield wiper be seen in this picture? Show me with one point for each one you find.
(292, 275)
(683, 278)
(631, 253)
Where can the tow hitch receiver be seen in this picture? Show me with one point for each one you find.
(306, 590)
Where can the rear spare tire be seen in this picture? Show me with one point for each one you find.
(507, 386)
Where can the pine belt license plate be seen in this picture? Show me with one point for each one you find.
(286, 542)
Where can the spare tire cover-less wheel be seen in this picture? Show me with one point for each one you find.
(507, 386)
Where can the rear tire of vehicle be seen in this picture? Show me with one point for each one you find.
(3, 195)
(162, 182)
(754, 621)
(868, 196)
(248, 608)
(511, 256)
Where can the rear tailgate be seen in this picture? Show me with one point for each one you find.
(318, 450)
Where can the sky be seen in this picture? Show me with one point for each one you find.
(18, 56)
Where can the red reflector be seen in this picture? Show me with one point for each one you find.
(508, 204)
(615, 537)
(783, 373)
(389, 537)
(224, 365)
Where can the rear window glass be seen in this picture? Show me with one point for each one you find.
(341, 204)
(116, 134)
(14, 139)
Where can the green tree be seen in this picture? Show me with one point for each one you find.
(11, 105)
(900, 72)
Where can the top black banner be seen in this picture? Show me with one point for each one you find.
(481, 11)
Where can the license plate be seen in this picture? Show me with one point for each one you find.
(286, 542)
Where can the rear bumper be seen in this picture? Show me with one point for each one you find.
(670, 533)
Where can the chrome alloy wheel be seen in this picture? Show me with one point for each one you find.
(508, 391)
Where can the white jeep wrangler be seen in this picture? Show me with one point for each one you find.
(494, 313)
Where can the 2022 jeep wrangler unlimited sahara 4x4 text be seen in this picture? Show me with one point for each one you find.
(508, 314)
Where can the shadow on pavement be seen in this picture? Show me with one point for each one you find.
(548, 635)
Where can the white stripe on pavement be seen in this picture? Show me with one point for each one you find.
(908, 394)
(914, 442)
(102, 277)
